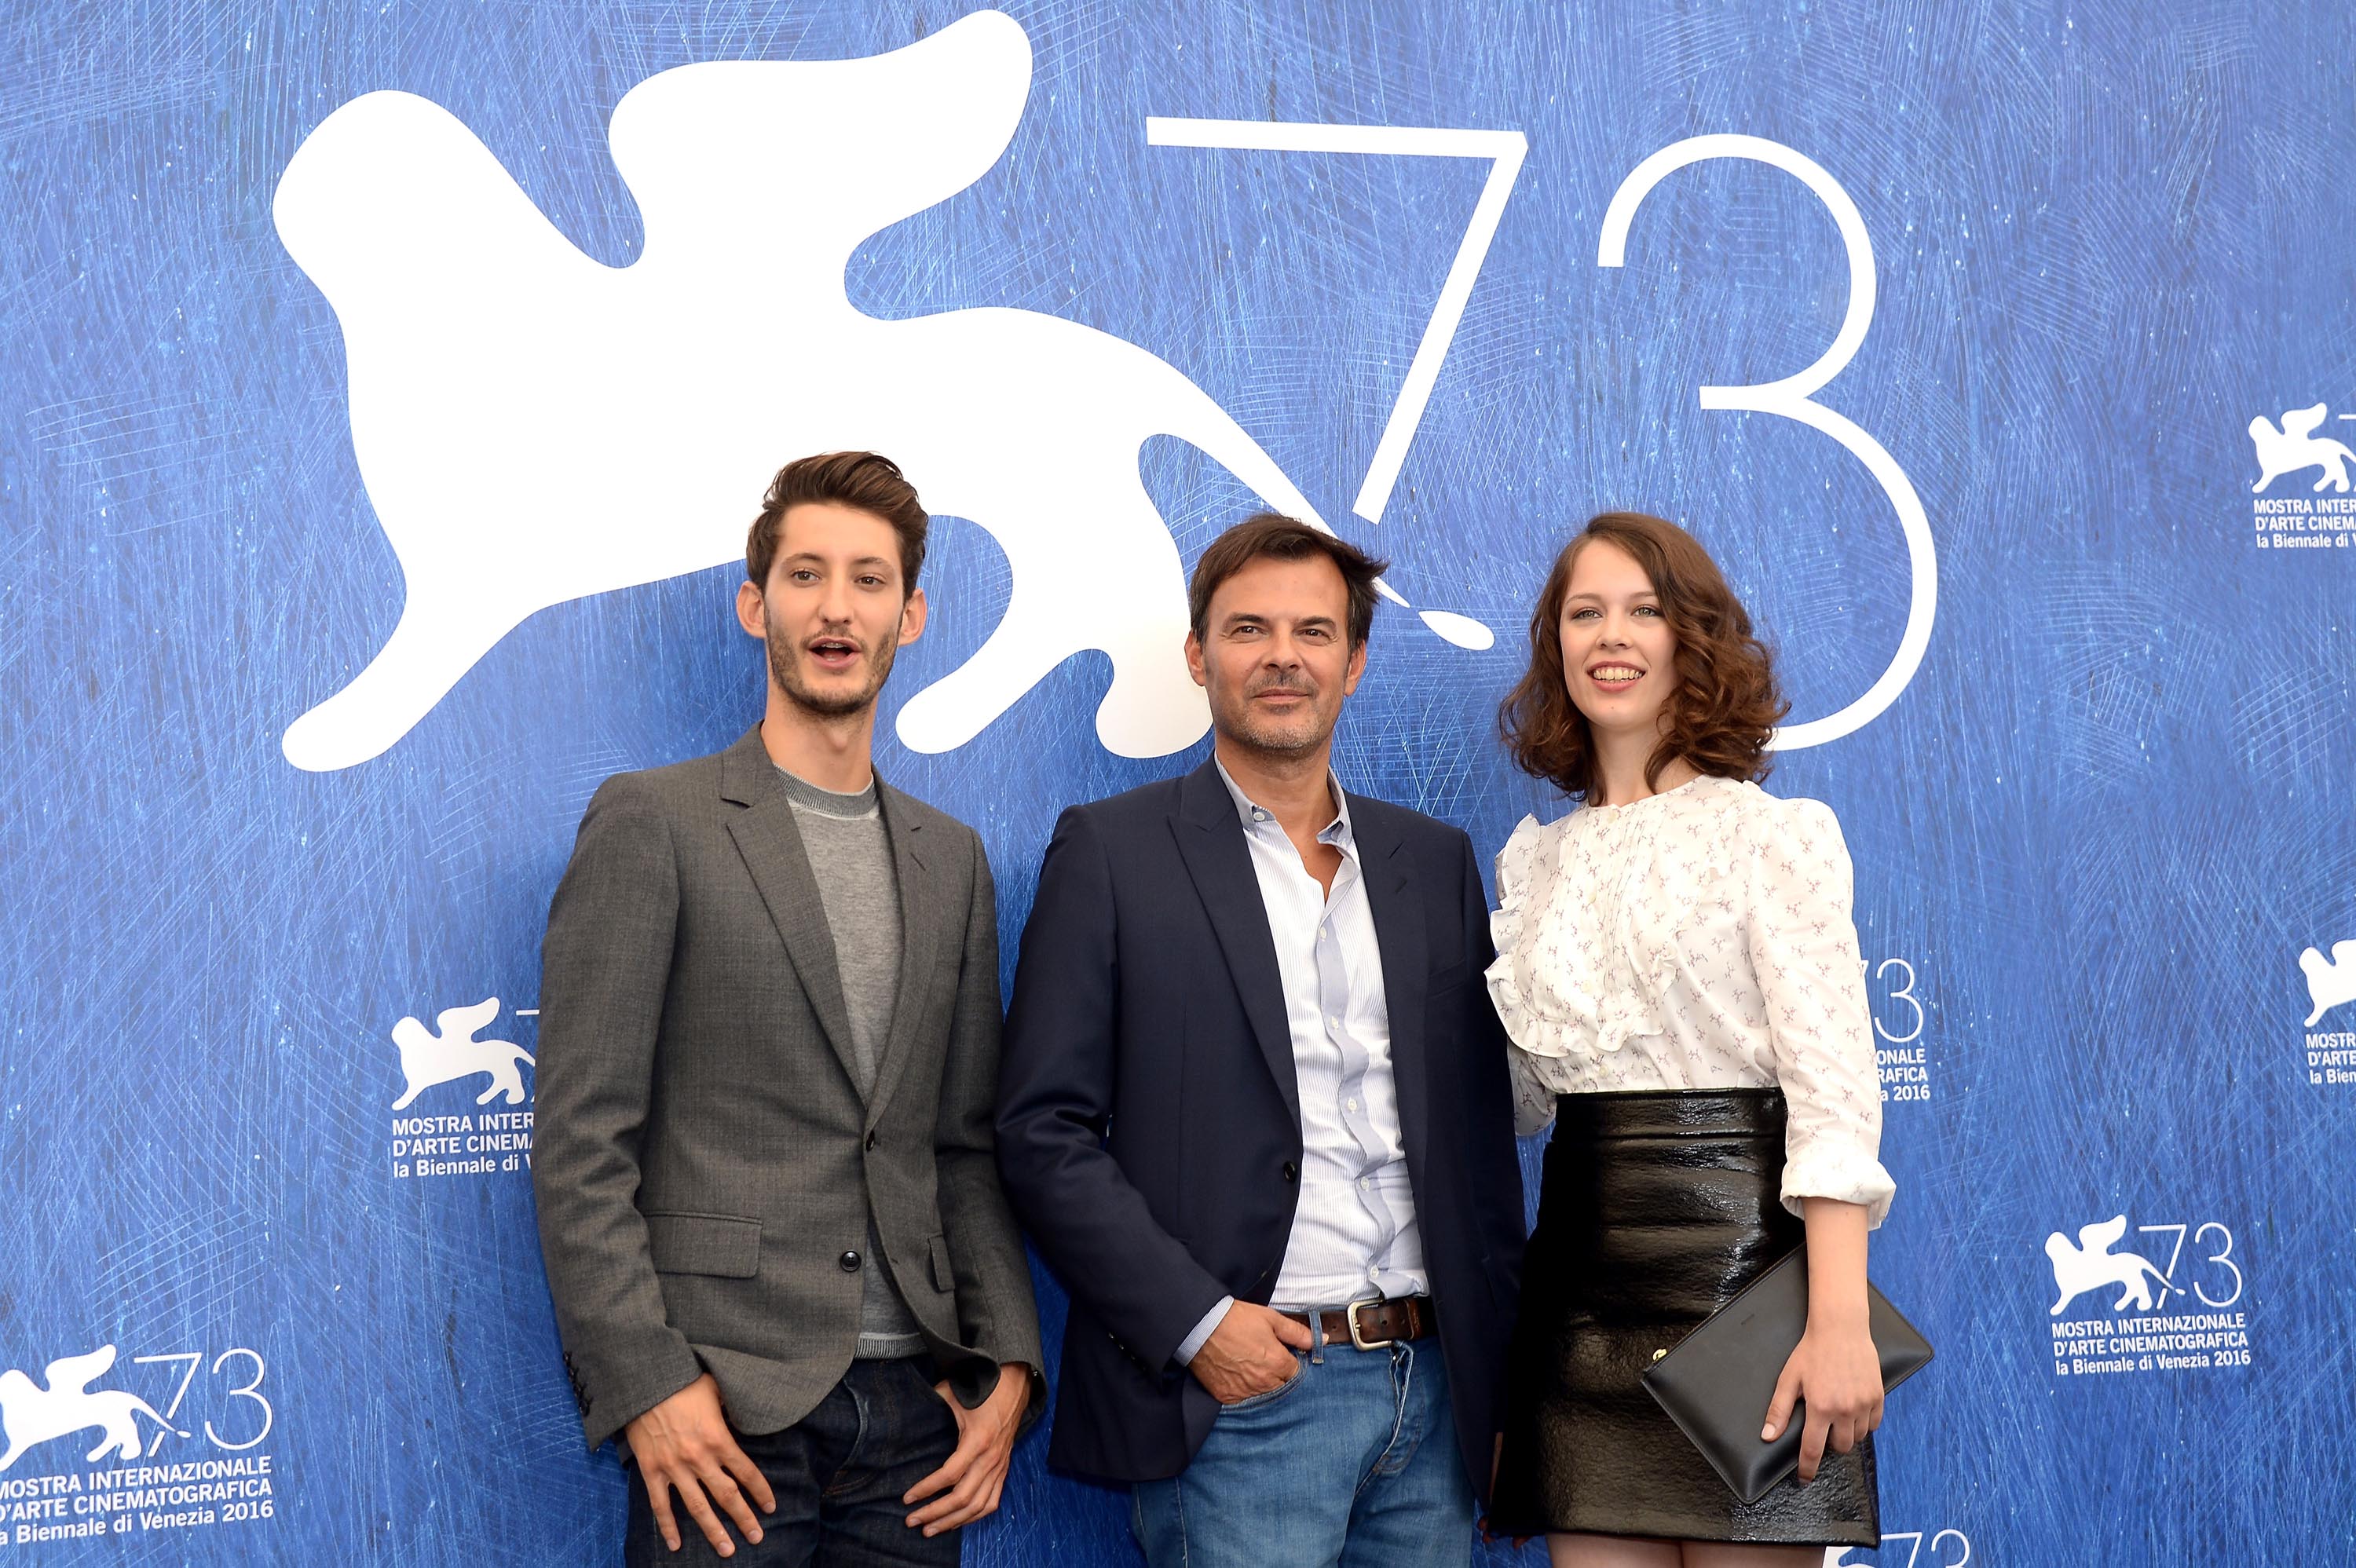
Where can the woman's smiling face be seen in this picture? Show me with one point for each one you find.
(1619, 656)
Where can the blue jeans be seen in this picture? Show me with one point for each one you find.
(838, 1473)
(1354, 1464)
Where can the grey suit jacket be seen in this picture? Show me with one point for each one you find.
(702, 1158)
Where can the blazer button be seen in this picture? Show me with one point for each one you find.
(849, 1261)
(871, 1139)
(1291, 1172)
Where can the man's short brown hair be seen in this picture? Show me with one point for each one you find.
(866, 480)
(1272, 536)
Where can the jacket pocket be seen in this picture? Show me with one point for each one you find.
(728, 1245)
(943, 1272)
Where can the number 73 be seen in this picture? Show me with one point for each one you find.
(2222, 1256)
(1838, 1556)
(252, 1391)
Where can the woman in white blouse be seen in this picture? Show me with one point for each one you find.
(1678, 972)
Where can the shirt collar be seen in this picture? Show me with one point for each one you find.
(1336, 832)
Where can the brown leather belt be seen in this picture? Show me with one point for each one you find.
(1377, 1323)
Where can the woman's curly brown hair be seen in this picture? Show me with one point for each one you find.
(1722, 715)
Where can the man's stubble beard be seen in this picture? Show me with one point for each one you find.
(785, 668)
(1245, 729)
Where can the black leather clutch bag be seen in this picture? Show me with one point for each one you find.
(1719, 1381)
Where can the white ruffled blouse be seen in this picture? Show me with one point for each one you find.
(1696, 939)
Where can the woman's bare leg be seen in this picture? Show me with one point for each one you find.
(1726, 1554)
(1610, 1552)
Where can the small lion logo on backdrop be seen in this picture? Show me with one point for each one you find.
(2330, 982)
(453, 1052)
(2091, 1266)
(2297, 446)
(32, 1415)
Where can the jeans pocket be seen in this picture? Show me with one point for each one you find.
(918, 1399)
(1263, 1401)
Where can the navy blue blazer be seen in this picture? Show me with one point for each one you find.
(1149, 1120)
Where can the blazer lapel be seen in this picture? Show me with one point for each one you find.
(922, 904)
(771, 844)
(1211, 841)
(1399, 933)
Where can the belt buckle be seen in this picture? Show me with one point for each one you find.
(1357, 1335)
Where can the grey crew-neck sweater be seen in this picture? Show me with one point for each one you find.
(851, 855)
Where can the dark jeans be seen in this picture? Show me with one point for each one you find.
(839, 1474)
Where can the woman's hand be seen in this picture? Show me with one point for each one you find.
(1835, 1372)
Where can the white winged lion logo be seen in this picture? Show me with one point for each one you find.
(534, 426)
(2091, 1266)
(2297, 446)
(2330, 982)
(32, 1415)
(453, 1052)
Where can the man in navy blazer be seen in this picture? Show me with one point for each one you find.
(1253, 1109)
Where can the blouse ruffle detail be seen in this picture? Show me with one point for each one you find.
(1562, 986)
(1556, 997)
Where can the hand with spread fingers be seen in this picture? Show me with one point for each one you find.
(683, 1445)
(970, 1480)
(1837, 1376)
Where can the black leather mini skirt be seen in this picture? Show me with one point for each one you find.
(1654, 1209)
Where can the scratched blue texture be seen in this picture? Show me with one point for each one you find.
(2099, 825)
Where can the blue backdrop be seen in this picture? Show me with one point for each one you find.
(2103, 848)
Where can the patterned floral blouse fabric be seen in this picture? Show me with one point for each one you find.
(1696, 939)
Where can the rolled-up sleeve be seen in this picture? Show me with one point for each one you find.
(1803, 948)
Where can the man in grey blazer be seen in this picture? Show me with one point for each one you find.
(783, 1270)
